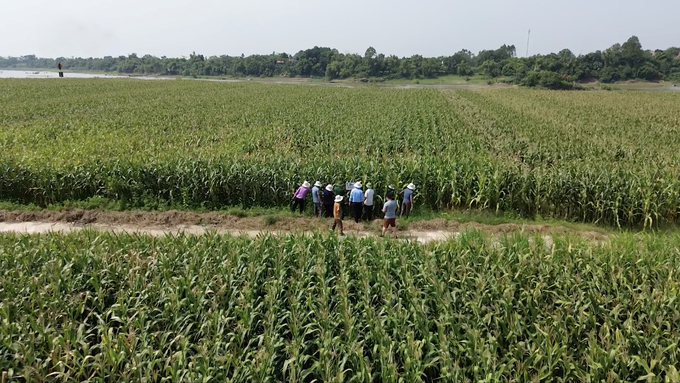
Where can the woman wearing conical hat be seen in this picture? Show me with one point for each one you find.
(299, 196)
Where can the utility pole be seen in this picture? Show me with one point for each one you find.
(528, 37)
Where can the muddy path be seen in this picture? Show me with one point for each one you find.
(48, 227)
(175, 222)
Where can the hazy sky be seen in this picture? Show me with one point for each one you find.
(175, 28)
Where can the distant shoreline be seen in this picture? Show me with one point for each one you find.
(444, 82)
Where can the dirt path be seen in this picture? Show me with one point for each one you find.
(175, 222)
(47, 227)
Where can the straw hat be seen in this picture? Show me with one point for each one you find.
(369, 185)
(338, 198)
(306, 185)
(358, 185)
(317, 184)
(391, 187)
(329, 187)
(411, 186)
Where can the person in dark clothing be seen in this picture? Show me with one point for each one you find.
(328, 201)
(390, 192)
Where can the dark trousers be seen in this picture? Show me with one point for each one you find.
(357, 208)
(317, 209)
(405, 209)
(338, 222)
(298, 202)
(368, 212)
(329, 210)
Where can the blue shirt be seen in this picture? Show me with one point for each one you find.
(390, 209)
(315, 195)
(408, 193)
(357, 195)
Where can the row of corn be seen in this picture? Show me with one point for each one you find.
(595, 157)
(619, 197)
(109, 308)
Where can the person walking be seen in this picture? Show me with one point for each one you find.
(337, 214)
(316, 198)
(390, 220)
(340, 191)
(299, 197)
(356, 200)
(368, 202)
(391, 192)
(407, 201)
(328, 201)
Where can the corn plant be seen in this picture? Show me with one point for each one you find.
(101, 307)
(591, 157)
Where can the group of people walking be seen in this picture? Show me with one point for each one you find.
(328, 202)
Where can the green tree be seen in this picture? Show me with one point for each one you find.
(464, 69)
(632, 53)
(648, 71)
(490, 68)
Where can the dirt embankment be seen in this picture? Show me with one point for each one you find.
(161, 219)
(159, 223)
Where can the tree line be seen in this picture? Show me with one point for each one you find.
(627, 61)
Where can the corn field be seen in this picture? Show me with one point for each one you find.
(608, 158)
(92, 307)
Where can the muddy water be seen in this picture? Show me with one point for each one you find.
(13, 73)
(5, 73)
(650, 87)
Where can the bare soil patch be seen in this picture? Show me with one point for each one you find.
(158, 223)
(504, 228)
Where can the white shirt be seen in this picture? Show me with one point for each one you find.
(369, 197)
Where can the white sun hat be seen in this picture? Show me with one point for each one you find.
(329, 187)
(358, 185)
(306, 185)
(317, 184)
(338, 198)
(411, 186)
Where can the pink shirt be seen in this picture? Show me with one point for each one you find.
(301, 193)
